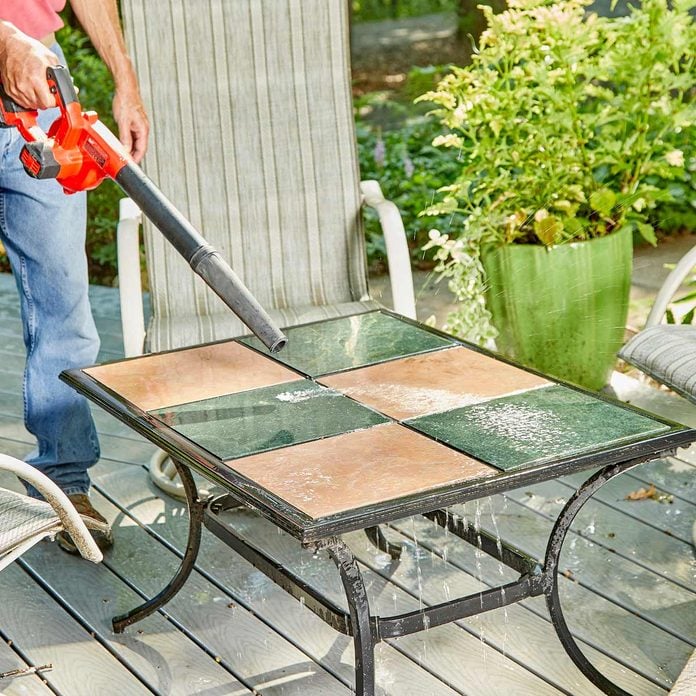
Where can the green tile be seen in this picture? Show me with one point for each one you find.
(262, 419)
(339, 344)
(525, 429)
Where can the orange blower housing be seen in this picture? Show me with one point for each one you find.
(77, 151)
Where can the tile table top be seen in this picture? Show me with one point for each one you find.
(368, 412)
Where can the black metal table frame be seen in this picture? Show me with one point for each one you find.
(367, 629)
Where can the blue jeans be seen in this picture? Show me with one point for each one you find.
(43, 231)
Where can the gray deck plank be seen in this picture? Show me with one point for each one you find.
(160, 654)
(686, 684)
(46, 633)
(215, 560)
(611, 529)
(262, 658)
(24, 685)
(509, 633)
(591, 618)
(458, 652)
(663, 602)
(126, 450)
(670, 476)
(251, 589)
(11, 407)
(156, 651)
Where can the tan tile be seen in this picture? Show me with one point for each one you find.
(180, 377)
(432, 382)
(350, 471)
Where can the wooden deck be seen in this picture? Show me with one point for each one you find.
(630, 593)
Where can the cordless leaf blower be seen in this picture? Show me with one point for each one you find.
(80, 152)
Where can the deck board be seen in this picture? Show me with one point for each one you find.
(45, 633)
(231, 630)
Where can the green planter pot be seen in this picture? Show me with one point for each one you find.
(563, 309)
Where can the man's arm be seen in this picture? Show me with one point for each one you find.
(100, 20)
(23, 63)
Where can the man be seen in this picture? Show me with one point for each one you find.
(43, 231)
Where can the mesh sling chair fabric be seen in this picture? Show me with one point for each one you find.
(667, 352)
(25, 521)
(253, 137)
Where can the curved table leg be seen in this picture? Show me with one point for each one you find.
(553, 553)
(195, 508)
(359, 615)
(376, 536)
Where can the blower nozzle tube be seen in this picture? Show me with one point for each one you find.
(203, 259)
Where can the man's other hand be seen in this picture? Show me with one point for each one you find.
(133, 126)
(23, 63)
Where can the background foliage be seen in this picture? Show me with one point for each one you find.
(371, 10)
(570, 125)
(395, 148)
(96, 92)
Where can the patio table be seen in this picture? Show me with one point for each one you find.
(360, 421)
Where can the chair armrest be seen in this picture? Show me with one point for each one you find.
(398, 257)
(69, 517)
(670, 287)
(129, 285)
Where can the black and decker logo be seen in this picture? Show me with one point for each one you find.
(96, 153)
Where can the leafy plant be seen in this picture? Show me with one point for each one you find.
(569, 126)
(678, 213)
(682, 310)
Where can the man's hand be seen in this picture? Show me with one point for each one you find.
(133, 126)
(23, 63)
(99, 18)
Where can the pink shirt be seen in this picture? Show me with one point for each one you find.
(37, 18)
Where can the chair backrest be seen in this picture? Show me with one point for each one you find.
(253, 139)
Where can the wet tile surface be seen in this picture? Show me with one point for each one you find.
(432, 382)
(165, 379)
(525, 429)
(262, 419)
(339, 344)
(364, 467)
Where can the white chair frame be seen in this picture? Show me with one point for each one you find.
(66, 517)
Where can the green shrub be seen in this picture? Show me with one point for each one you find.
(678, 212)
(371, 10)
(96, 92)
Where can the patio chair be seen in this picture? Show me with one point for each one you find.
(253, 138)
(667, 352)
(25, 521)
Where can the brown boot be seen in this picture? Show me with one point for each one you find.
(98, 527)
